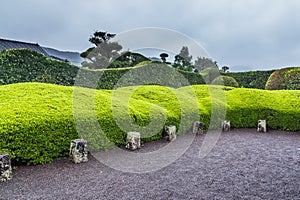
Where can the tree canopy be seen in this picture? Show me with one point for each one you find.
(202, 63)
(183, 60)
(103, 52)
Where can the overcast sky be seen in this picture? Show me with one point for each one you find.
(243, 34)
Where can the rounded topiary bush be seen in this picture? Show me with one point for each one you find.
(210, 74)
(284, 79)
(225, 80)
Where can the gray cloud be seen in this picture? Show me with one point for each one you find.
(257, 34)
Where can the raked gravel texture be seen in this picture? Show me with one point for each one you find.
(244, 164)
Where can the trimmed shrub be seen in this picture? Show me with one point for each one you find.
(284, 79)
(128, 59)
(251, 79)
(210, 74)
(225, 80)
(23, 65)
(281, 109)
(38, 121)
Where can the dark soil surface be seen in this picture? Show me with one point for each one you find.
(244, 164)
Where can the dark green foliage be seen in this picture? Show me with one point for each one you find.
(87, 52)
(251, 79)
(225, 69)
(193, 78)
(149, 73)
(100, 37)
(163, 57)
(25, 65)
(202, 63)
(225, 80)
(284, 79)
(128, 59)
(183, 60)
(103, 53)
(210, 74)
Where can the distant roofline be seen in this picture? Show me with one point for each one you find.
(27, 43)
(16, 41)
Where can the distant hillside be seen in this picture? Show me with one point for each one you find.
(73, 57)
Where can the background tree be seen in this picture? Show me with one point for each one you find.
(225, 68)
(163, 57)
(183, 60)
(202, 63)
(103, 53)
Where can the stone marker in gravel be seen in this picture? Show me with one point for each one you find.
(198, 128)
(133, 140)
(262, 126)
(226, 126)
(5, 167)
(170, 133)
(79, 151)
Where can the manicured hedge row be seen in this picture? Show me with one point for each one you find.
(226, 81)
(23, 65)
(284, 79)
(38, 121)
(251, 79)
(281, 108)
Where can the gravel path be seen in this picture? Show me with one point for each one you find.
(244, 164)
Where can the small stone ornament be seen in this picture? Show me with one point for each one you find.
(170, 133)
(79, 151)
(262, 126)
(133, 140)
(5, 167)
(226, 126)
(198, 128)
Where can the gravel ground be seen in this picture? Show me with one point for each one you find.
(244, 164)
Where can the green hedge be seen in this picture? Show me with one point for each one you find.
(37, 121)
(284, 79)
(23, 65)
(225, 80)
(281, 109)
(251, 79)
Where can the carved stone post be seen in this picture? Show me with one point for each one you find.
(226, 126)
(170, 133)
(79, 151)
(198, 128)
(262, 126)
(133, 140)
(5, 167)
